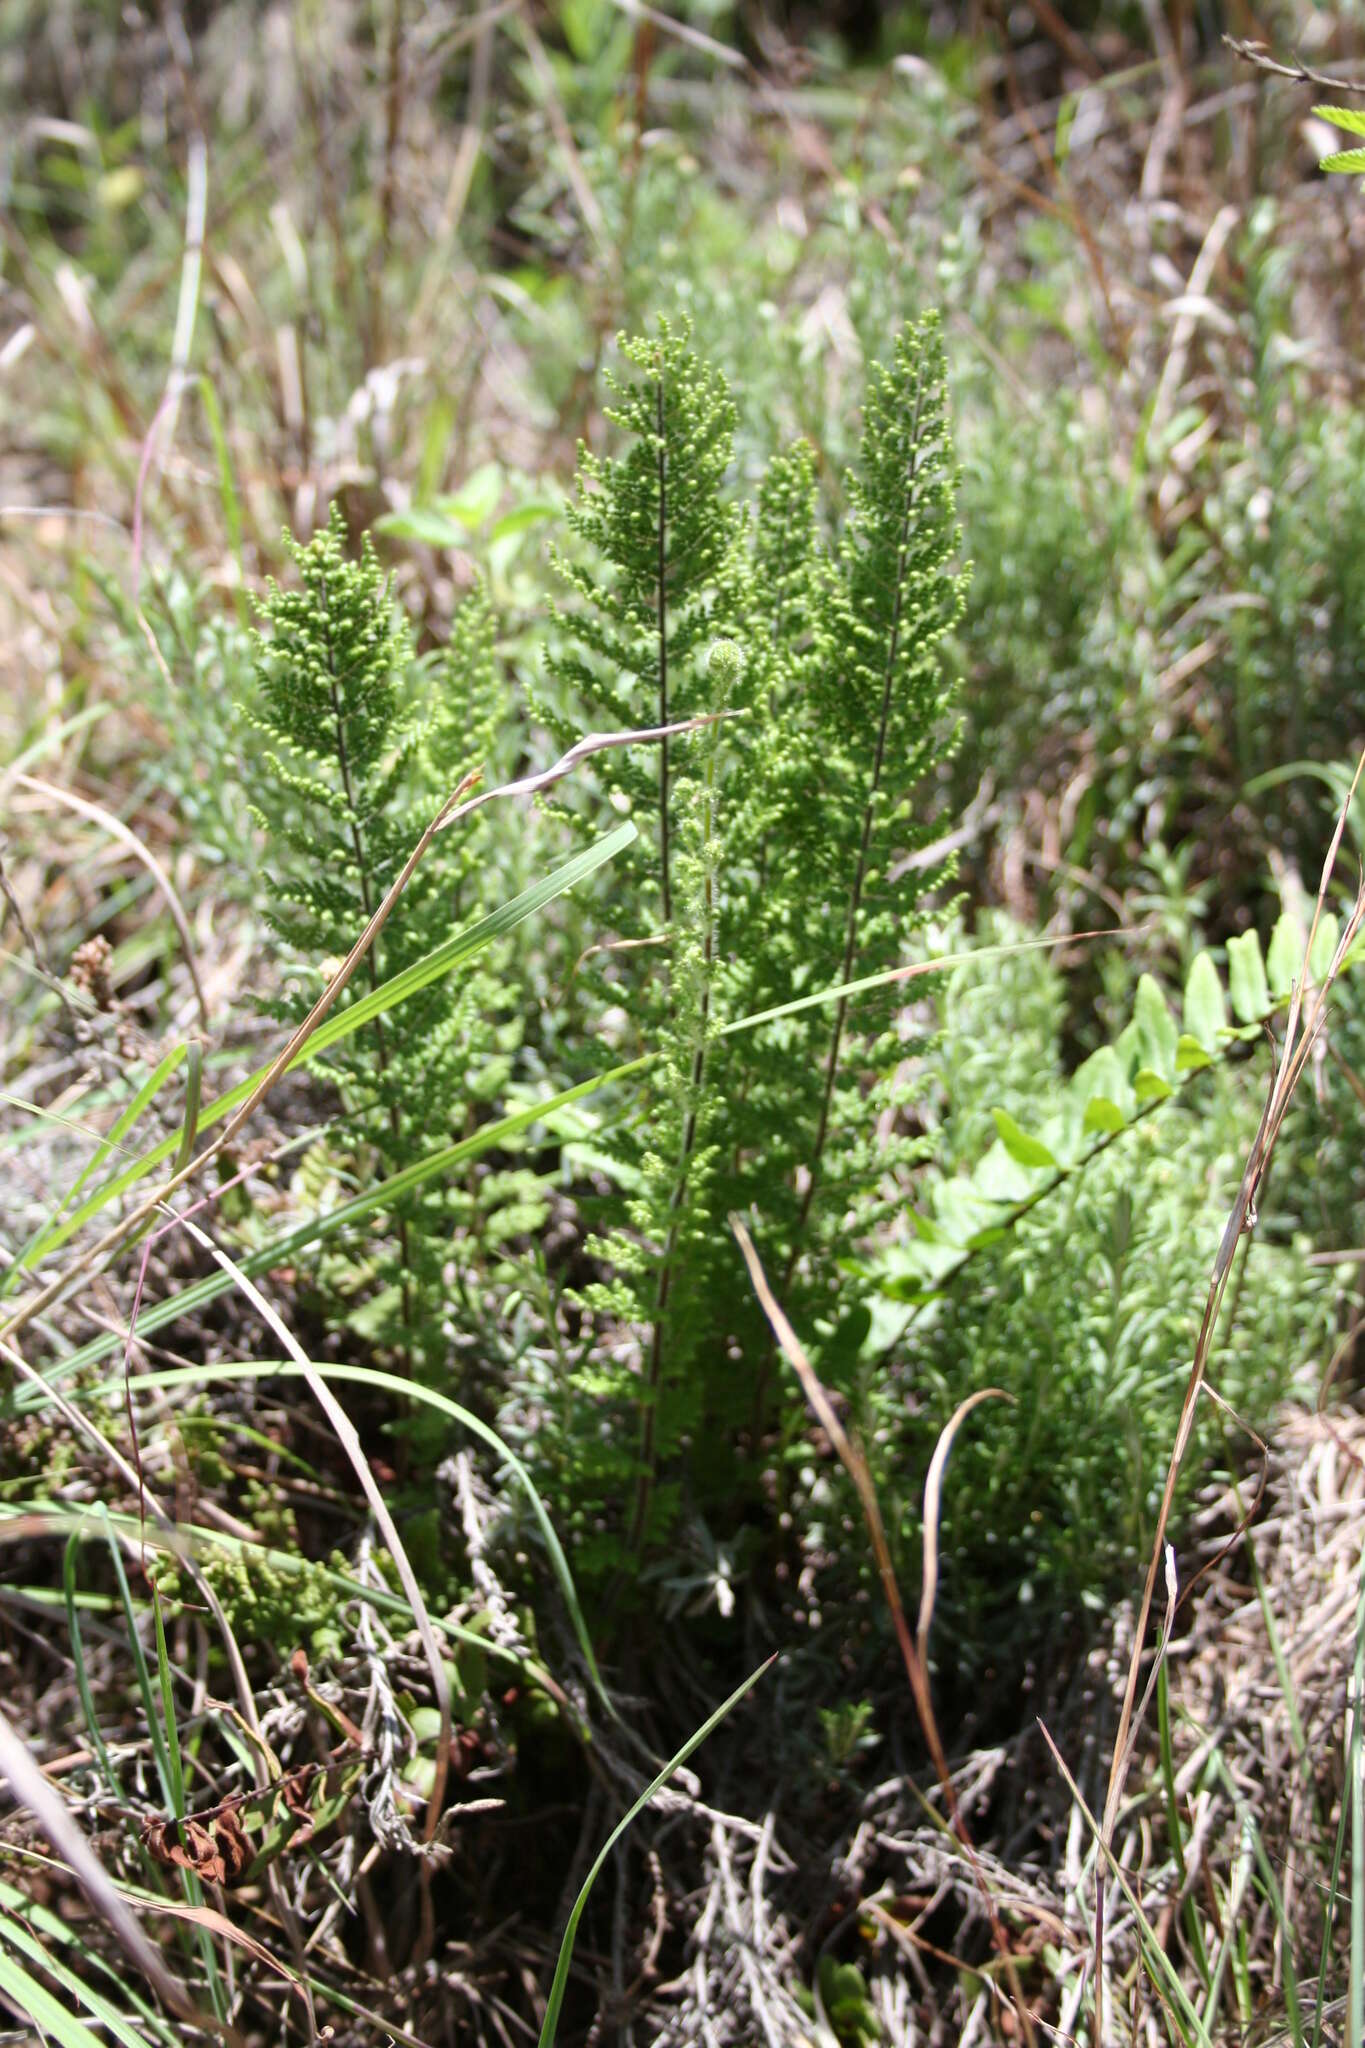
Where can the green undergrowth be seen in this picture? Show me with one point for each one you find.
(576, 381)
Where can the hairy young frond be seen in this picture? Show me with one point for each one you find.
(774, 868)
(654, 586)
(357, 761)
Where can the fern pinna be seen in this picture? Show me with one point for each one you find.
(361, 747)
(797, 817)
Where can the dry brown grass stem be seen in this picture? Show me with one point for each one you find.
(1303, 1029)
(912, 1653)
(98, 815)
(454, 808)
(148, 1501)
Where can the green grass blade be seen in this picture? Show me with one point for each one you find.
(292, 1244)
(440, 962)
(555, 2001)
(86, 1696)
(398, 989)
(168, 1714)
(227, 488)
(1271, 1887)
(408, 1390)
(57, 1934)
(144, 1677)
(1194, 1926)
(146, 1094)
(100, 2008)
(27, 1995)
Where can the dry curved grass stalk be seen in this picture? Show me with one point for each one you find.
(454, 808)
(1303, 1030)
(855, 1464)
(98, 815)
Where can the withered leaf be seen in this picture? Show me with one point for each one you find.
(234, 1846)
(218, 1849)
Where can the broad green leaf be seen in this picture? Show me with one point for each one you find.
(1190, 1055)
(534, 512)
(1000, 1180)
(1284, 955)
(1150, 1087)
(1324, 945)
(477, 498)
(1103, 1076)
(1156, 1028)
(1205, 1011)
(1352, 119)
(424, 524)
(1022, 1146)
(1103, 1115)
(1247, 984)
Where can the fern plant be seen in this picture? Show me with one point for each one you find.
(768, 871)
(861, 722)
(358, 753)
(661, 589)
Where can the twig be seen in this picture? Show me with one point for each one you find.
(1302, 74)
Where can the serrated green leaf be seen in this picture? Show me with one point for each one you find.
(1344, 160)
(1205, 1010)
(1349, 118)
(1022, 1146)
(1247, 984)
